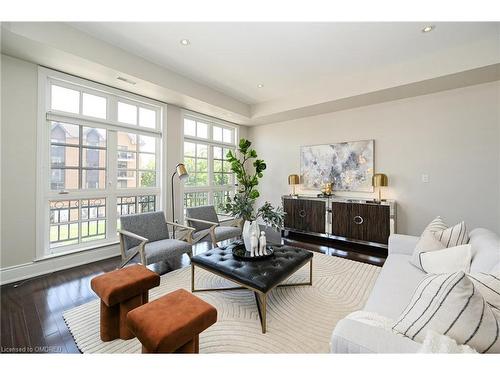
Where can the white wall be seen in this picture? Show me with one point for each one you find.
(19, 80)
(453, 136)
(18, 147)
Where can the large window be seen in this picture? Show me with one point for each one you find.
(206, 144)
(77, 156)
(136, 157)
(99, 159)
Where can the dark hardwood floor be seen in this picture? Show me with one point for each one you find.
(31, 310)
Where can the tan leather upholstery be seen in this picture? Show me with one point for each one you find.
(122, 291)
(172, 323)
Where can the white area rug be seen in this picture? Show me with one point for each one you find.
(300, 319)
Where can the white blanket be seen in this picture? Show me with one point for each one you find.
(437, 343)
(433, 342)
(371, 319)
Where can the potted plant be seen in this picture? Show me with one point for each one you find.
(242, 205)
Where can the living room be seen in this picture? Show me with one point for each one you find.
(228, 184)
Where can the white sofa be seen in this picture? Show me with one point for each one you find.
(393, 291)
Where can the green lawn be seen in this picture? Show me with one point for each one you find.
(71, 236)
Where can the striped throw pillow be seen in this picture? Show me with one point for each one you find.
(436, 225)
(454, 236)
(437, 236)
(451, 304)
(489, 286)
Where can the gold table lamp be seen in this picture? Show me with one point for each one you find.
(378, 181)
(293, 180)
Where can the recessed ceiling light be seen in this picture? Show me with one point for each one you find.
(260, 85)
(185, 42)
(428, 29)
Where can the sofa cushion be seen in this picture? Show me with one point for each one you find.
(394, 286)
(486, 250)
(451, 305)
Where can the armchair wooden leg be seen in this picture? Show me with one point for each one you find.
(125, 260)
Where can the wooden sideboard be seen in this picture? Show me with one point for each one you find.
(347, 219)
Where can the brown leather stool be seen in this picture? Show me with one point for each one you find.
(121, 291)
(172, 323)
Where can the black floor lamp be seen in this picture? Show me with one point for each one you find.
(180, 170)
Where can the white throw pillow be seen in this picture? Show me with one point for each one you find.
(451, 259)
(451, 305)
(437, 236)
(426, 243)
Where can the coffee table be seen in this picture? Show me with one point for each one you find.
(259, 276)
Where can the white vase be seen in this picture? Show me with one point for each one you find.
(249, 228)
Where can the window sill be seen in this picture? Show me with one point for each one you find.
(74, 251)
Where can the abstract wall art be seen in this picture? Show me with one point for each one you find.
(349, 165)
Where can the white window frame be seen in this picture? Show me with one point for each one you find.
(210, 121)
(46, 77)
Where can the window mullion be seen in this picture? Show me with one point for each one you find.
(197, 194)
(79, 222)
(210, 162)
(80, 161)
(111, 184)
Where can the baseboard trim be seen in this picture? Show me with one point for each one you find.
(41, 267)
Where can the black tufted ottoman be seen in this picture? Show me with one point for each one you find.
(259, 276)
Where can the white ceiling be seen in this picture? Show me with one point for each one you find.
(290, 59)
(307, 68)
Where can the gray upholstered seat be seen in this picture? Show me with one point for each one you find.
(224, 233)
(206, 213)
(163, 249)
(147, 234)
(206, 223)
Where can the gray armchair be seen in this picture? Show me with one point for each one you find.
(147, 234)
(206, 223)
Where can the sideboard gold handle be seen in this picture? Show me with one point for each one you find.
(302, 213)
